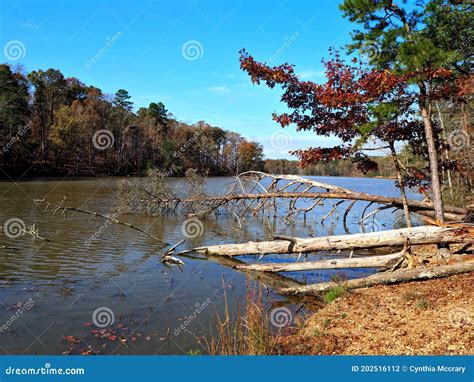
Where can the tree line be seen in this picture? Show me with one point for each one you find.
(336, 167)
(53, 125)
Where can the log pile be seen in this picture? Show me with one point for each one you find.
(398, 267)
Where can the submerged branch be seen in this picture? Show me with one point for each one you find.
(65, 209)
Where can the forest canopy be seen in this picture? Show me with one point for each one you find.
(53, 125)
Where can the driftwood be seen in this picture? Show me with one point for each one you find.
(168, 258)
(395, 277)
(65, 209)
(383, 261)
(418, 235)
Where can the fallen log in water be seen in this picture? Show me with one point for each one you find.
(395, 277)
(220, 200)
(257, 192)
(383, 261)
(391, 238)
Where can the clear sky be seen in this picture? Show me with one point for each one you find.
(182, 53)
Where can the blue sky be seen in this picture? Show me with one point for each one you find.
(183, 53)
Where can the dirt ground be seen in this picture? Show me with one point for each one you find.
(417, 318)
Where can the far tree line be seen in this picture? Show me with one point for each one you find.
(336, 167)
(53, 125)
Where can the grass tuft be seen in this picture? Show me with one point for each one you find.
(246, 334)
(334, 293)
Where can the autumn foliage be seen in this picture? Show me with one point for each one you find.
(357, 104)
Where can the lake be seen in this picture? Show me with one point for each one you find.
(93, 272)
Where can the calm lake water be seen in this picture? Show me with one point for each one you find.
(49, 290)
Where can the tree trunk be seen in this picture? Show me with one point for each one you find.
(391, 238)
(401, 185)
(433, 155)
(383, 261)
(446, 153)
(396, 277)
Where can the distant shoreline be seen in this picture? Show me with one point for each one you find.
(89, 177)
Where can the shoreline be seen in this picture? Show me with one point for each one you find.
(90, 177)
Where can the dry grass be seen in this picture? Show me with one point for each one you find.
(248, 333)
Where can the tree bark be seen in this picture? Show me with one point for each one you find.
(433, 155)
(390, 238)
(446, 152)
(383, 261)
(396, 277)
(401, 185)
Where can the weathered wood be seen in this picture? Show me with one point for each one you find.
(418, 235)
(384, 261)
(415, 205)
(395, 277)
(294, 179)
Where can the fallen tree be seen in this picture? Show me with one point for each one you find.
(220, 200)
(399, 276)
(255, 191)
(383, 261)
(391, 238)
